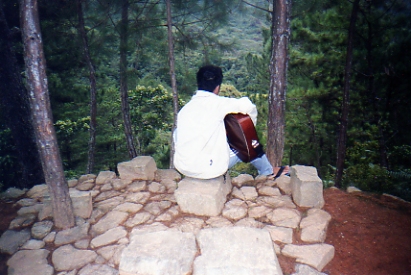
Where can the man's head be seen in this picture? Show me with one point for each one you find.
(209, 77)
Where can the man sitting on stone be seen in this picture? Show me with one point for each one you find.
(201, 147)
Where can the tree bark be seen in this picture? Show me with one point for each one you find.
(278, 81)
(93, 88)
(125, 108)
(173, 79)
(345, 108)
(42, 116)
(16, 108)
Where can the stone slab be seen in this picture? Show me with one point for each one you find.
(307, 187)
(159, 253)
(139, 168)
(236, 251)
(203, 197)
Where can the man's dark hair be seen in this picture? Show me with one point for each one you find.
(209, 77)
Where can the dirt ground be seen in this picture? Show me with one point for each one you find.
(371, 235)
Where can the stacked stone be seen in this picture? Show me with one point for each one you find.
(150, 221)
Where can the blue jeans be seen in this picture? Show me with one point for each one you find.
(261, 164)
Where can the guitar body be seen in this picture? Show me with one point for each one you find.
(242, 137)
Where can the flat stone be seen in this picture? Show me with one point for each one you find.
(82, 203)
(156, 187)
(120, 184)
(11, 241)
(140, 197)
(159, 253)
(169, 215)
(106, 195)
(203, 197)
(307, 187)
(235, 210)
(105, 176)
(72, 235)
(188, 224)
(353, 189)
(109, 237)
(243, 179)
(315, 255)
(276, 202)
(258, 211)
(171, 185)
(137, 186)
(85, 185)
(129, 207)
(111, 220)
(98, 269)
(235, 250)
(87, 177)
(218, 222)
(33, 244)
(82, 244)
(33, 262)
(41, 229)
(72, 183)
(284, 184)
(285, 217)
(280, 234)
(13, 193)
(269, 191)
(38, 192)
(302, 269)
(139, 168)
(26, 202)
(138, 219)
(109, 204)
(34, 209)
(22, 221)
(249, 222)
(314, 226)
(68, 258)
(163, 174)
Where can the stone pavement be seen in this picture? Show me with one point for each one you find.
(132, 224)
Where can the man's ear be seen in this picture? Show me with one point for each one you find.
(217, 90)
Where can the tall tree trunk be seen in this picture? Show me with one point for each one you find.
(342, 137)
(173, 78)
(125, 108)
(42, 116)
(278, 80)
(93, 88)
(16, 108)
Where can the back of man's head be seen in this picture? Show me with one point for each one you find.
(209, 77)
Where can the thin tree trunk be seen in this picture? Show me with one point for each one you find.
(342, 138)
(93, 88)
(278, 81)
(14, 100)
(173, 78)
(42, 116)
(125, 108)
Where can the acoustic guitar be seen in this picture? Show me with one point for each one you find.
(242, 137)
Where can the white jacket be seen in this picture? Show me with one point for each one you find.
(201, 148)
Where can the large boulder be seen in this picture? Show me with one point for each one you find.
(139, 168)
(307, 187)
(203, 197)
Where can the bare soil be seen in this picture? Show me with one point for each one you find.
(371, 234)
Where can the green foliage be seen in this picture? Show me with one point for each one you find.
(8, 160)
(150, 111)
